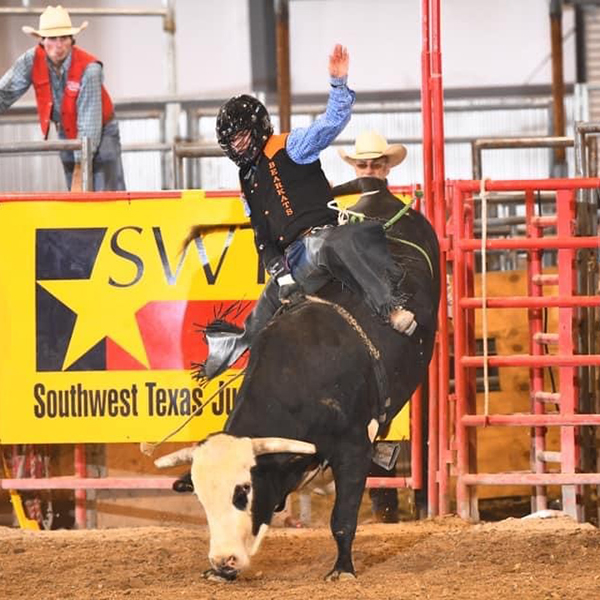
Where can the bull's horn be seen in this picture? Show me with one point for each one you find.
(179, 457)
(272, 445)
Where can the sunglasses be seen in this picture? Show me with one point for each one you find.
(376, 164)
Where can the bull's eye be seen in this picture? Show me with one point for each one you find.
(240, 496)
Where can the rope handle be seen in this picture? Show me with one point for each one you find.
(345, 215)
(148, 448)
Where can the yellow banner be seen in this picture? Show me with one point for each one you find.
(99, 316)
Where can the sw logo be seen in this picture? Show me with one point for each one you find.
(116, 299)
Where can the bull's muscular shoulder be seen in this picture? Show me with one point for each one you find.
(383, 205)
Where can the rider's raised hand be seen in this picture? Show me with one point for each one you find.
(339, 61)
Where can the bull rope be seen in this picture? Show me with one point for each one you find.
(352, 322)
(346, 215)
(148, 448)
(380, 374)
(484, 329)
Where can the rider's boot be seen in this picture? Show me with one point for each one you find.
(357, 254)
(227, 344)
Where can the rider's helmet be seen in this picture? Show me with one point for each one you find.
(238, 115)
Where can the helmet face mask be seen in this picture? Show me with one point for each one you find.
(238, 115)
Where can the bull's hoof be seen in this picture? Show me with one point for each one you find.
(219, 577)
(336, 575)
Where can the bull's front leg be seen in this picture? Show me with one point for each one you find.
(350, 475)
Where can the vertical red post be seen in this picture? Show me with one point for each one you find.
(416, 439)
(565, 212)
(80, 495)
(439, 202)
(443, 366)
(536, 374)
(437, 105)
(459, 284)
(432, 103)
(470, 346)
(433, 436)
(430, 209)
(426, 112)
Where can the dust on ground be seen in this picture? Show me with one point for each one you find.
(440, 558)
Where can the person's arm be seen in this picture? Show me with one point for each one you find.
(16, 81)
(304, 144)
(89, 116)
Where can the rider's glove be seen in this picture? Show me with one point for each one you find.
(281, 273)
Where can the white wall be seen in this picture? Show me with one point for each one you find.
(212, 41)
(484, 43)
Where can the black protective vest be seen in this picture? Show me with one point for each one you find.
(285, 198)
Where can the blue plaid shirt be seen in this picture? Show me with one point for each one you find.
(304, 144)
(17, 80)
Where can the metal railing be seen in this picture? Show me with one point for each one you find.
(399, 121)
(478, 145)
(83, 145)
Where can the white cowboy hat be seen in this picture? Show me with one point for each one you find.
(370, 145)
(54, 22)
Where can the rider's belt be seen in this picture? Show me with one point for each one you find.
(310, 230)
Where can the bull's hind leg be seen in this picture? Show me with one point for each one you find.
(350, 475)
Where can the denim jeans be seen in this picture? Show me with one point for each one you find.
(355, 254)
(107, 167)
(303, 257)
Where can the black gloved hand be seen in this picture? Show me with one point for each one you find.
(281, 273)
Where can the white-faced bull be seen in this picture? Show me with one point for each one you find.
(323, 379)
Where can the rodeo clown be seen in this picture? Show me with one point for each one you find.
(295, 231)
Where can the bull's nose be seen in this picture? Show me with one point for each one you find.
(226, 564)
(227, 567)
(230, 562)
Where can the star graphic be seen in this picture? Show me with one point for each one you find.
(142, 264)
(103, 309)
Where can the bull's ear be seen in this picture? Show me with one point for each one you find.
(184, 484)
(273, 445)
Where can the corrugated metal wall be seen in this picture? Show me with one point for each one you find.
(464, 121)
(592, 51)
(460, 127)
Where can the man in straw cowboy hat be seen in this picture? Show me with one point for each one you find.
(69, 91)
(372, 156)
(414, 247)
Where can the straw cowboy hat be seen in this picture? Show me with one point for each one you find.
(370, 145)
(54, 22)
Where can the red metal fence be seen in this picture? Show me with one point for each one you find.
(566, 360)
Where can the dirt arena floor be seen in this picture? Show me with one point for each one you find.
(441, 558)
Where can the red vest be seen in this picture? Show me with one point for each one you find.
(68, 111)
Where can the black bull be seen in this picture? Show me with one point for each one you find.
(314, 374)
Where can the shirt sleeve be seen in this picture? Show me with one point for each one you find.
(16, 81)
(304, 144)
(89, 107)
